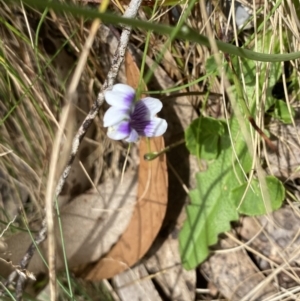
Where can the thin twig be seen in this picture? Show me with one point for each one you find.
(118, 58)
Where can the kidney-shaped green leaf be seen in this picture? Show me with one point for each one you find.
(203, 136)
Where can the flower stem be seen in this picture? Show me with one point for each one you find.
(153, 155)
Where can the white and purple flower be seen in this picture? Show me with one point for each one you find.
(128, 119)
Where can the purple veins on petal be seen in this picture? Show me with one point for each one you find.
(146, 108)
(140, 112)
(140, 125)
(156, 127)
(143, 120)
(150, 128)
(154, 105)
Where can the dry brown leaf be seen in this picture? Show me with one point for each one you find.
(235, 274)
(165, 264)
(135, 284)
(6, 267)
(149, 211)
(92, 223)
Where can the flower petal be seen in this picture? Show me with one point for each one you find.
(133, 137)
(150, 128)
(114, 115)
(121, 96)
(119, 131)
(156, 127)
(146, 108)
(123, 88)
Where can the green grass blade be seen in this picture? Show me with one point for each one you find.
(184, 33)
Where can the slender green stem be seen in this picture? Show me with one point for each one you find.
(154, 155)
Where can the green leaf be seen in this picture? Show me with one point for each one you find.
(253, 202)
(282, 112)
(211, 66)
(211, 209)
(222, 194)
(203, 136)
(246, 67)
